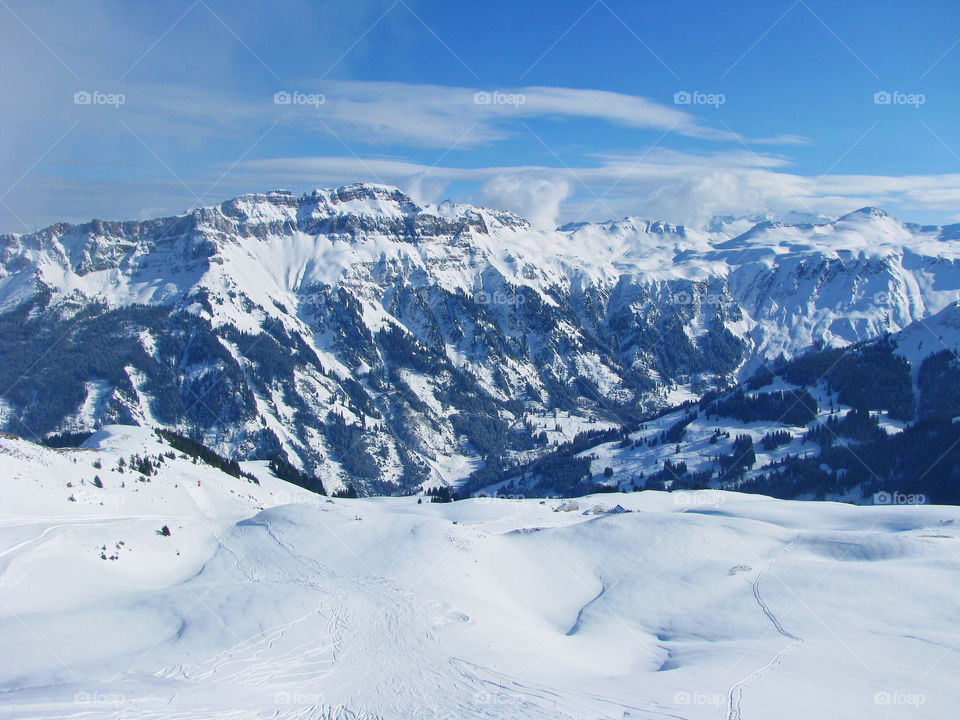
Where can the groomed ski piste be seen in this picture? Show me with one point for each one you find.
(265, 601)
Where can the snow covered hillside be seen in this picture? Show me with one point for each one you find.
(375, 342)
(264, 601)
(865, 423)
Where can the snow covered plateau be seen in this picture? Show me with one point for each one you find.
(265, 601)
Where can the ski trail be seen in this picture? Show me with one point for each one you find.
(73, 522)
(201, 501)
(735, 695)
(531, 694)
(21, 548)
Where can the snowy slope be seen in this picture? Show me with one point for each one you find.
(933, 334)
(697, 438)
(735, 606)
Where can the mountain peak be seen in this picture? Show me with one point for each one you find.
(372, 192)
(868, 211)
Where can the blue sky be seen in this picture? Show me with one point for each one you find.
(586, 110)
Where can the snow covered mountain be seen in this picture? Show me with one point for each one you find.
(864, 423)
(264, 601)
(377, 342)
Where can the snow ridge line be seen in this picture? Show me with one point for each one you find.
(576, 625)
(735, 696)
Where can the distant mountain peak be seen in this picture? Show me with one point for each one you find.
(363, 191)
(867, 211)
(741, 223)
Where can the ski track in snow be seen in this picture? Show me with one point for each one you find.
(582, 703)
(735, 696)
(10, 554)
(359, 618)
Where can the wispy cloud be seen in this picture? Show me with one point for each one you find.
(384, 113)
(782, 140)
(664, 184)
(391, 131)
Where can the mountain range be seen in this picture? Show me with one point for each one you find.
(374, 342)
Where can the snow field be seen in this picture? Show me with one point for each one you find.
(724, 605)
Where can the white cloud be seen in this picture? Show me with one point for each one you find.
(439, 115)
(694, 200)
(535, 198)
(629, 110)
(782, 140)
(420, 115)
